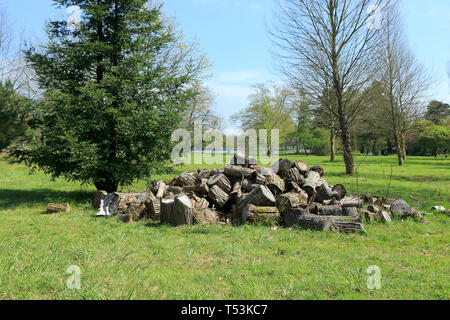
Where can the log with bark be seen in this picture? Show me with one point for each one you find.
(281, 166)
(202, 213)
(258, 178)
(58, 207)
(292, 199)
(340, 191)
(159, 188)
(294, 175)
(185, 179)
(219, 197)
(244, 161)
(258, 197)
(269, 216)
(238, 172)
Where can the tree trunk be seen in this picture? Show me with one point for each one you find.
(374, 147)
(332, 146)
(107, 185)
(347, 146)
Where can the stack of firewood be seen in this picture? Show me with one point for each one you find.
(288, 193)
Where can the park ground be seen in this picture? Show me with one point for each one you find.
(148, 261)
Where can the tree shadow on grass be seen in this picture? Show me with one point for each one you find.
(10, 199)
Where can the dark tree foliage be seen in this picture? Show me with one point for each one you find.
(437, 111)
(13, 115)
(115, 89)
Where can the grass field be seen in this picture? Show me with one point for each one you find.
(149, 261)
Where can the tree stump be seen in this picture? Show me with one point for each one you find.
(177, 212)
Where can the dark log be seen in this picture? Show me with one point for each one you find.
(319, 170)
(293, 186)
(322, 210)
(292, 199)
(325, 193)
(258, 178)
(238, 172)
(269, 216)
(294, 175)
(275, 184)
(340, 191)
(301, 166)
(219, 197)
(220, 180)
(281, 166)
(56, 207)
(312, 183)
(177, 212)
(244, 161)
(290, 215)
(350, 212)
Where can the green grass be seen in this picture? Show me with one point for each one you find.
(149, 261)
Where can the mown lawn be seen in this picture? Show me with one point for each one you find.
(149, 261)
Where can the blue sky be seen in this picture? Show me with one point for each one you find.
(233, 34)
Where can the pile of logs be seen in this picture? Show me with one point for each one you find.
(288, 193)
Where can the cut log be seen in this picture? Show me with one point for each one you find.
(319, 170)
(275, 184)
(299, 217)
(238, 172)
(159, 188)
(201, 186)
(258, 178)
(269, 216)
(340, 191)
(294, 175)
(301, 166)
(177, 212)
(154, 208)
(56, 207)
(290, 215)
(204, 174)
(220, 180)
(244, 161)
(236, 192)
(292, 199)
(321, 210)
(281, 166)
(350, 212)
(258, 197)
(185, 179)
(324, 193)
(349, 203)
(312, 183)
(203, 214)
(219, 197)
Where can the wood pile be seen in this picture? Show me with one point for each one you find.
(288, 193)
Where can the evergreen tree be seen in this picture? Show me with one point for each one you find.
(115, 87)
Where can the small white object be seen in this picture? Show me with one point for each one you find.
(101, 212)
(438, 209)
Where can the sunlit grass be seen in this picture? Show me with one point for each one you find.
(149, 261)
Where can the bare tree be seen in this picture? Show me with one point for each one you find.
(328, 45)
(404, 80)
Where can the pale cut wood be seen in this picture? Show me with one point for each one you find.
(236, 192)
(220, 180)
(159, 189)
(275, 184)
(292, 199)
(301, 166)
(312, 183)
